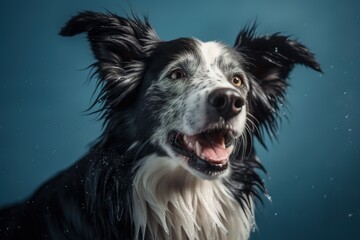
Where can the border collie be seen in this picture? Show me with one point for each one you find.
(175, 159)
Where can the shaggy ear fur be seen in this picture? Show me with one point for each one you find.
(270, 59)
(120, 46)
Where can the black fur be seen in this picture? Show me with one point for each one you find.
(88, 200)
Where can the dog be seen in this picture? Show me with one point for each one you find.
(175, 159)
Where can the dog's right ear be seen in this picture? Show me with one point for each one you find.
(269, 61)
(119, 45)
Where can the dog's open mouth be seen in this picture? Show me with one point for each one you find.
(207, 152)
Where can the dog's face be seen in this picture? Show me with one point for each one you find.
(190, 100)
(196, 94)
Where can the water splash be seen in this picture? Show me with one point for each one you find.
(267, 195)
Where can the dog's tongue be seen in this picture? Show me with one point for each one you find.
(210, 148)
(215, 153)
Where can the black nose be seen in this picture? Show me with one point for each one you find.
(225, 102)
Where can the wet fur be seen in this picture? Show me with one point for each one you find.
(172, 203)
(130, 184)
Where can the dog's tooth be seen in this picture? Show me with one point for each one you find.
(230, 149)
(198, 148)
(186, 139)
(190, 145)
(223, 142)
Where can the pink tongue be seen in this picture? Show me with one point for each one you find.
(212, 149)
(216, 153)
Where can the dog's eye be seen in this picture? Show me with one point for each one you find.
(237, 80)
(177, 74)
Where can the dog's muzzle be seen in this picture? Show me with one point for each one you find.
(209, 149)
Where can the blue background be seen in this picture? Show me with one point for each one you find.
(314, 168)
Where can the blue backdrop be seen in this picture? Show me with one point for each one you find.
(314, 168)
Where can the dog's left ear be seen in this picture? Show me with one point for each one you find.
(269, 60)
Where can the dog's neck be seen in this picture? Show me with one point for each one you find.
(170, 203)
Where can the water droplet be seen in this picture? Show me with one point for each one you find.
(325, 196)
(276, 49)
(349, 130)
(268, 197)
(345, 93)
(347, 116)
(332, 66)
(275, 214)
(350, 215)
(313, 186)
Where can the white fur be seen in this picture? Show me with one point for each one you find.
(211, 51)
(168, 202)
(215, 79)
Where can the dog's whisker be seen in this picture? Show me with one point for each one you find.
(249, 139)
(254, 123)
(139, 149)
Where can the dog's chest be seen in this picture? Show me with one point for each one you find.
(170, 203)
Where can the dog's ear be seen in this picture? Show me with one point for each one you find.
(269, 60)
(119, 45)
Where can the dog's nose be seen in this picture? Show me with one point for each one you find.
(225, 102)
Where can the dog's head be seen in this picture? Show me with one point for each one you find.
(197, 102)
